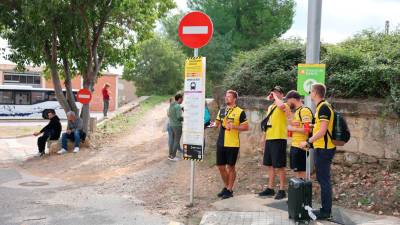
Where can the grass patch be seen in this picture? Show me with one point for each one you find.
(123, 121)
(365, 201)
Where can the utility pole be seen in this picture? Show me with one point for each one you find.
(313, 47)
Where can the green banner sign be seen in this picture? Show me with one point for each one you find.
(309, 74)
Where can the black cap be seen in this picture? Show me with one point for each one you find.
(278, 89)
(293, 94)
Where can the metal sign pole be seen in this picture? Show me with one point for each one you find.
(196, 54)
(313, 45)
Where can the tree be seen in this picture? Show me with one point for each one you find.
(251, 22)
(157, 67)
(74, 36)
(218, 51)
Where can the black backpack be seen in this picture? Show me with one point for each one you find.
(340, 132)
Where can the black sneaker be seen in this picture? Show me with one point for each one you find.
(227, 194)
(280, 195)
(220, 194)
(267, 192)
(322, 215)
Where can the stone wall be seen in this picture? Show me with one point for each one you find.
(375, 130)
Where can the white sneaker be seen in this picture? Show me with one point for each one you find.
(176, 159)
(76, 149)
(62, 151)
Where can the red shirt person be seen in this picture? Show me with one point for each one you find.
(106, 98)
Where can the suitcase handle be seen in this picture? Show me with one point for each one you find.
(308, 164)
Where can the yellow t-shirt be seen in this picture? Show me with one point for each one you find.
(237, 116)
(277, 123)
(323, 113)
(301, 116)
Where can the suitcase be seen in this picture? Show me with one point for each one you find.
(300, 196)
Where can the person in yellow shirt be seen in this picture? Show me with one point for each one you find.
(324, 148)
(300, 128)
(232, 120)
(275, 143)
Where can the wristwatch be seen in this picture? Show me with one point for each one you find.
(308, 143)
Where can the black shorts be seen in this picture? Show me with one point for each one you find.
(297, 159)
(275, 153)
(227, 155)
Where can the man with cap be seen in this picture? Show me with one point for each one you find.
(300, 128)
(275, 142)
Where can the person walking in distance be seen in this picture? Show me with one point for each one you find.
(231, 121)
(106, 99)
(323, 146)
(300, 128)
(175, 122)
(275, 143)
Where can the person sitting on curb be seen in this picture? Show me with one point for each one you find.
(51, 131)
(74, 133)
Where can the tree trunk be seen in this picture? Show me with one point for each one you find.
(85, 112)
(68, 87)
(51, 53)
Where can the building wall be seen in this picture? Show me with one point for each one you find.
(126, 91)
(76, 83)
(97, 96)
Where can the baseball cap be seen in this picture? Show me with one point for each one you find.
(278, 89)
(293, 94)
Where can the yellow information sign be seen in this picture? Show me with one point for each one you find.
(194, 67)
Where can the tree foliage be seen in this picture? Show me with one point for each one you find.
(257, 71)
(249, 23)
(157, 67)
(76, 36)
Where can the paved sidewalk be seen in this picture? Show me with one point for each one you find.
(253, 210)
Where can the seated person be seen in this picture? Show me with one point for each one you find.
(74, 133)
(51, 131)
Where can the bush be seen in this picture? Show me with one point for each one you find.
(257, 71)
(367, 65)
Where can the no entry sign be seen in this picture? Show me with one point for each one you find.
(195, 29)
(84, 96)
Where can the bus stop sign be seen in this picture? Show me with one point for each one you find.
(84, 96)
(195, 29)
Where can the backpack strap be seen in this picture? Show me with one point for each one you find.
(327, 129)
(265, 120)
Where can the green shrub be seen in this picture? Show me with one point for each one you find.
(257, 71)
(367, 65)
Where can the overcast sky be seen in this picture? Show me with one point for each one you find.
(340, 18)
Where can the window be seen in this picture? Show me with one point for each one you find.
(6, 97)
(38, 96)
(22, 98)
(22, 78)
(29, 79)
(51, 96)
(36, 80)
(7, 77)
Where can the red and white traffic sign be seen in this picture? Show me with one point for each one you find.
(84, 96)
(195, 29)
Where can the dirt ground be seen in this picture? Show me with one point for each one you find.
(134, 163)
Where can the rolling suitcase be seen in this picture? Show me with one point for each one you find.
(300, 197)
